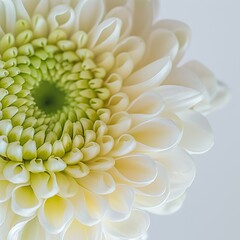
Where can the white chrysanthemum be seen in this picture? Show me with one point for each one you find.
(96, 119)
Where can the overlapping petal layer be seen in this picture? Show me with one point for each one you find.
(96, 118)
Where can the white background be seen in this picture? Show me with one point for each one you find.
(212, 208)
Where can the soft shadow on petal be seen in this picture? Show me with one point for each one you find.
(89, 14)
(169, 207)
(55, 214)
(145, 107)
(3, 211)
(98, 182)
(44, 184)
(77, 231)
(136, 170)
(24, 201)
(68, 187)
(33, 230)
(178, 98)
(132, 228)
(147, 77)
(5, 190)
(120, 203)
(7, 17)
(89, 207)
(154, 194)
(132, 45)
(197, 134)
(105, 36)
(161, 43)
(157, 134)
(125, 15)
(181, 31)
(63, 17)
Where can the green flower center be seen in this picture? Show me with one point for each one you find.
(52, 100)
(48, 97)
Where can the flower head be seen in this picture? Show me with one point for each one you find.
(96, 118)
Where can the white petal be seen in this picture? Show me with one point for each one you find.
(24, 201)
(8, 16)
(3, 212)
(197, 133)
(119, 124)
(44, 184)
(156, 135)
(5, 190)
(15, 172)
(120, 203)
(178, 97)
(147, 77)
(180, 167)
(105, 36)
(125, 15)
(132, 45)
(123, 145)
(55, 214)
(118, 102)
(101, 164)
(33, 230)
(77, 231)
(98, 182)
(132, 228)
(145, 107)
(137, 170)
(61, 16)
(169, 207)
(89, 207)
(67, 185)
(161, 43)
(89, 14)
(181, 31)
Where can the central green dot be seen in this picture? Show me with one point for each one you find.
(48, 97)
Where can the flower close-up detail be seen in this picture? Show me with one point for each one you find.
(98, 120)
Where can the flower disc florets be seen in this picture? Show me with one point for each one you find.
(96, 118)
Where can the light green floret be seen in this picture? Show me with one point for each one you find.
(52, 99)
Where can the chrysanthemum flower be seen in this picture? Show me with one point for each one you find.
(97, 120)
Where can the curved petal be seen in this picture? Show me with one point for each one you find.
(55, 214)
(24, 201)
(16, 172)
(77, 231)
(119, 124)
(68, 187)
(157, 134)
(85, 10)
(123, 145)
(7, 17)
(3, 212)
(44, 184)
(101, 164)
(61, 16)
(98, 182)
(169, 207)
(134, 46)
(135, 226)
(33, 230)
(89, 207)
(125, 15)
(145, 107)
(120, 203)
(179, 98)
(161, 43)
(181, 31)
(105, 36)
(118, 102)
(137, 170)
(197, 133)
(147, 77)
(5, 190)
